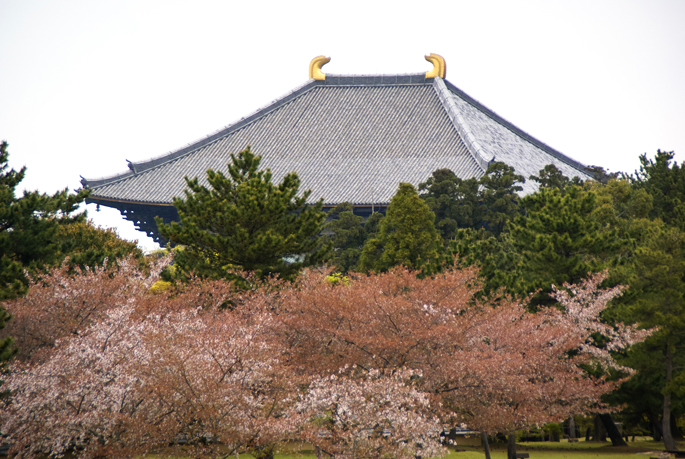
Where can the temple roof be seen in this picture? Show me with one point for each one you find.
(350, 138)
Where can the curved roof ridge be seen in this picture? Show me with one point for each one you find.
(375, 74)
(519, 132)
(474, 147)
(143, 166)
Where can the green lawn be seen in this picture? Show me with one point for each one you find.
(641, 449)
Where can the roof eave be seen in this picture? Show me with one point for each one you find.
(107, 201)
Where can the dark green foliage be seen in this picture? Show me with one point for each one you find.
(29, 228)
(407, 235)
(664, 180)
(485, 242)
(563, 235)
(472, 217)
(372, 225)
(500, 269)
(551, 177)
(560, 241)
(347, 234)
(455, 202)
(245, 223)
(656, 298)
(642, 393)
(499, 196)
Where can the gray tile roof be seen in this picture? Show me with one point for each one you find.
(350, 138)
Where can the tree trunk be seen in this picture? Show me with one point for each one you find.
(656, 426)
(555, 436)
(571, 429)
(486, 444)
(612, 430)
(587, 434)
(600, 433)
(511, 446)
(669, 441)
(675, 431)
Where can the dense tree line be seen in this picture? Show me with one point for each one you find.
(371, 367)
(525, 245)
(463, 255)
(630, 225)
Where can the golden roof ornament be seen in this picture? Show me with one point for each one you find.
(315, 67)
(439, 66)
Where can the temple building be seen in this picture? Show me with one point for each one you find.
(350, 138)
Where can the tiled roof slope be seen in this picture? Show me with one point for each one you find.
(502, 141)
(350, 138)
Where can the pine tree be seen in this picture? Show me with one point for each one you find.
(244, 222)
(407, 235)
(551, 177)
(562, 236)
(486, 242)
(499, 196)
(500, 264)
(454, 201)
(656, 297)
(560, 240)
(664, 180)
(346, 233)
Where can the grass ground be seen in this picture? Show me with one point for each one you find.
(643, 448)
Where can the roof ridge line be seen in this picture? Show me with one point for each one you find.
(460, 125)
(516, 130)
(144, 166)
(375, 74)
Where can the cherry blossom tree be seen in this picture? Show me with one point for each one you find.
(496, 367)
(80, 397)
(583, 304)
(147, 374)
(364, 368)
(370, 414)
(67, 299)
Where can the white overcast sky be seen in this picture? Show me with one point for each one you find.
(86, 85)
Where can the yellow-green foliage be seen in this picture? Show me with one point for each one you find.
(160, 287)
(338, 279)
